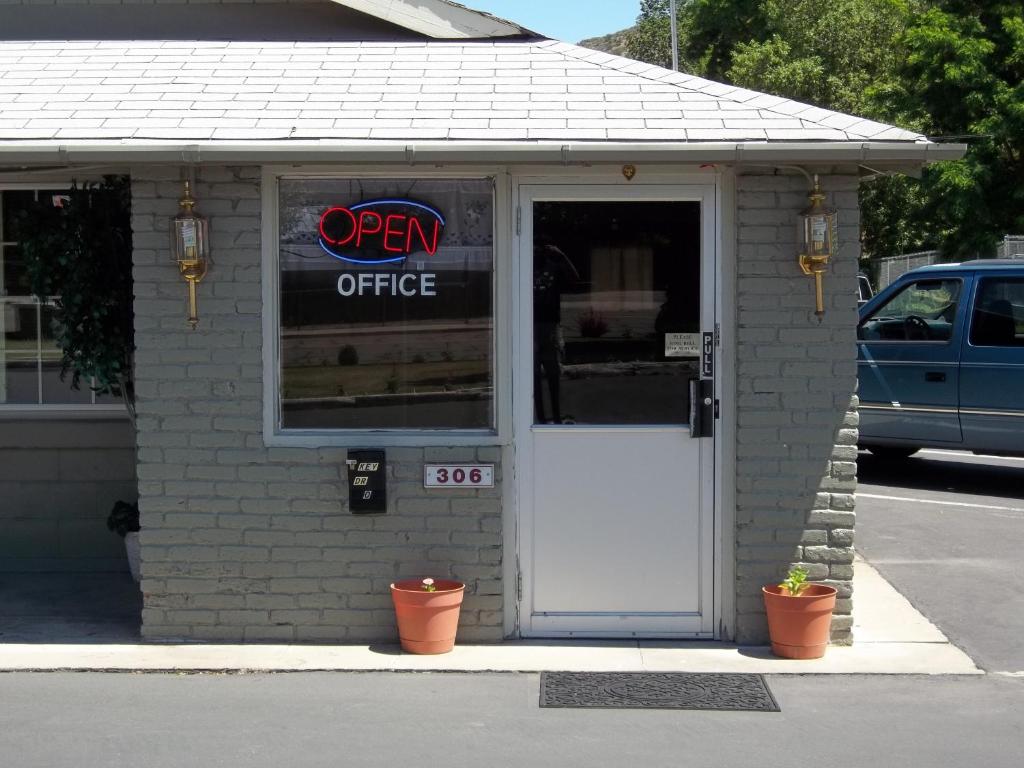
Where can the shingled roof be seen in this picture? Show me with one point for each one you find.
(146, 92)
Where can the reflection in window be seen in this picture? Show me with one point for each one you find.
(30, 360)
(386, 304)
(999, 313)
(616, 311)
(922, 311)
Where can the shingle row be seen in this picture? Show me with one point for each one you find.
(433, 90)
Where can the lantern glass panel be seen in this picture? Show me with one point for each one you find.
(818, 233)
(189, 238)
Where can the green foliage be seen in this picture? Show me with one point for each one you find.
(708, 31)
(796, 581)
(893, 218)
(650, 39)
(963, 76)
(81, 255)
(946, 68)
(716, 27)
(123, 518)
(832, 55)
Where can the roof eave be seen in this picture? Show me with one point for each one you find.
(439, 19)
(422, 152)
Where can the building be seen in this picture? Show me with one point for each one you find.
(486, 254)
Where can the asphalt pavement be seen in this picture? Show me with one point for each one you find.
(309, 720)
(946, 529)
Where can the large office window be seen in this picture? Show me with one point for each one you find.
(30, 360)
(386, 304)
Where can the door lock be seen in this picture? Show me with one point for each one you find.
(702, 408)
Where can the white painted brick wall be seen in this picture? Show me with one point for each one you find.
(797, 421)
(245, 542)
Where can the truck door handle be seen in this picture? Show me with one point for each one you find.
(936, 376)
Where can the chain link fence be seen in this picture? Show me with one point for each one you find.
(890, 268)
(1012, 247)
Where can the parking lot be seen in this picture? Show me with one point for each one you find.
(947, 530)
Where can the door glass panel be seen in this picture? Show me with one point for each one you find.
(616, 311)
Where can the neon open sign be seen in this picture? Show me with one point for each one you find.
(380, 231)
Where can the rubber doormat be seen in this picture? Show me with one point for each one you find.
(656, 690)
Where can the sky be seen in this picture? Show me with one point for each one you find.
(569, 20)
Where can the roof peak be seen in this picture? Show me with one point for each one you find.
(441, 19)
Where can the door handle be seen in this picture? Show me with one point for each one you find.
(934, 376)
(702, 408)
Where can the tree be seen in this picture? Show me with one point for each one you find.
(650, 39)
(708, 31)
(833, 55)
(963, 77)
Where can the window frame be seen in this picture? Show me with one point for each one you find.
(979, 282)
(273, 434)
(907, 286)
(60, 410)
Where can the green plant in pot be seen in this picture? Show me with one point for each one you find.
(799, 615)
(124, 521)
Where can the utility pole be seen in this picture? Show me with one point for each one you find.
(675, 36)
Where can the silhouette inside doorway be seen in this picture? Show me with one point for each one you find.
(616, 311)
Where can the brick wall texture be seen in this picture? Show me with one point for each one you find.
(245, 542)
(796, 469)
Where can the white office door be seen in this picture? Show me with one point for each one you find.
(615, 493)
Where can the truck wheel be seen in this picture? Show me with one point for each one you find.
(891, 451)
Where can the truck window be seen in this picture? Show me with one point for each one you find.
(998, 318)
(922, 311)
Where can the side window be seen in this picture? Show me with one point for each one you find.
(30, 358)
(998, 319)
(923, 311)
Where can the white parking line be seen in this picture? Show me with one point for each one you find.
(965, 455)
(940, 502)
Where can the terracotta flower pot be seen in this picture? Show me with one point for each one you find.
(427, 621)
(799, 624)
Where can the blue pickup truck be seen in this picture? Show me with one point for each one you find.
(940, 361)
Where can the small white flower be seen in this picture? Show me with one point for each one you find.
(428, 582)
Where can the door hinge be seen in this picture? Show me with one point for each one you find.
(519, 220)
(519, 581)
(718, 335)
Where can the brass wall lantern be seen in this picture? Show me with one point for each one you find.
(190, 248)
(818, 240)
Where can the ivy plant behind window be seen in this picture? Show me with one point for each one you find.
(79, 257)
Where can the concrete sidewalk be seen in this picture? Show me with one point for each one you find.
(891, 637)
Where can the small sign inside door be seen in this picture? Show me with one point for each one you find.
(682, 345)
